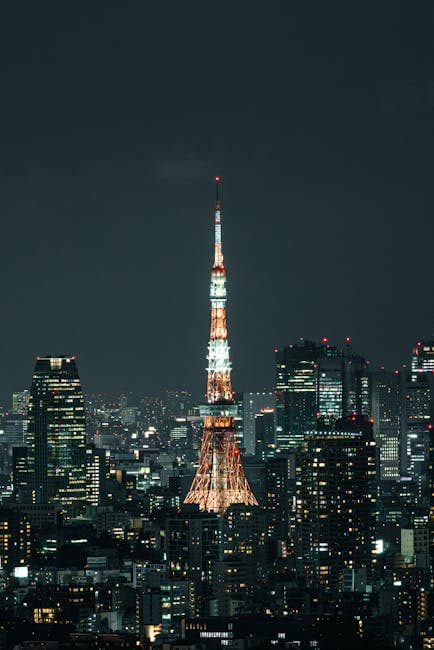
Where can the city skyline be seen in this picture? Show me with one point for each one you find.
(324, 147)
(194, 388)
(260, 172)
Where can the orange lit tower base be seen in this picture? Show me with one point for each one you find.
(220, 480)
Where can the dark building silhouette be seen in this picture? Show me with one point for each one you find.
(418, 406)
(56, 438)
(387, 396)
(265, 433)
(317, 381)
(193, 543)
(336, 502)
(15, 539)
(21, 476)
(279, 503)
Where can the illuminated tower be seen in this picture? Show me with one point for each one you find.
(220, 480)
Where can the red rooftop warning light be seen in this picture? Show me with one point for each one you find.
(217, 178)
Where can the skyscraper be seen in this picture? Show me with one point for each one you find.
(331, 384)
(422, 359)
(220, 480)
(336, 497)
(296, 393)
(265, 429)
(20, 402)
(56, 436)
(96, 474)
(418, 406)
(316, 381)
(279, 502)
(193, 544)
(387, 396)
(15, 427)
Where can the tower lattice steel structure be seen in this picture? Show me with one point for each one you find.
(220, 480)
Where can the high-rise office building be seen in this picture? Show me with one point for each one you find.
(387, 396)
(296, 393)
(97, 471)
(14, 429)
(418, 405)
(280, 503)
(422, 359)
(331, 384)
(193, 543)
(317, 382)
(56, 436)
(265, 430)
(242, 563)
(20, 402)
(336, 501)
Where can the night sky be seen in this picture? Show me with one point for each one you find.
(115, 116)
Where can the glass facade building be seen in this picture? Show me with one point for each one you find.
(56, 436)
(422, 359)
(387, 395)
(317, 381)
(296, 393)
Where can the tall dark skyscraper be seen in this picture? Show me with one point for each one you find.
(265, 430)
(336, 501)
(417, 416)
(316, 381)
(296, 393)
(193, 543)
(387, 396)
(56, 436)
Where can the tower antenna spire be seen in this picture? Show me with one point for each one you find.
(218, 252)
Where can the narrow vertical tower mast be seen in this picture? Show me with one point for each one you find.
(220, 480)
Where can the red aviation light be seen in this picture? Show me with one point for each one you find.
(217, 179)
(325, 339)
(348, 339)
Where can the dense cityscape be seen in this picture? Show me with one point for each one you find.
(297, 516)
(217, 393)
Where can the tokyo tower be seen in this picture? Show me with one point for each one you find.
(220, 480)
